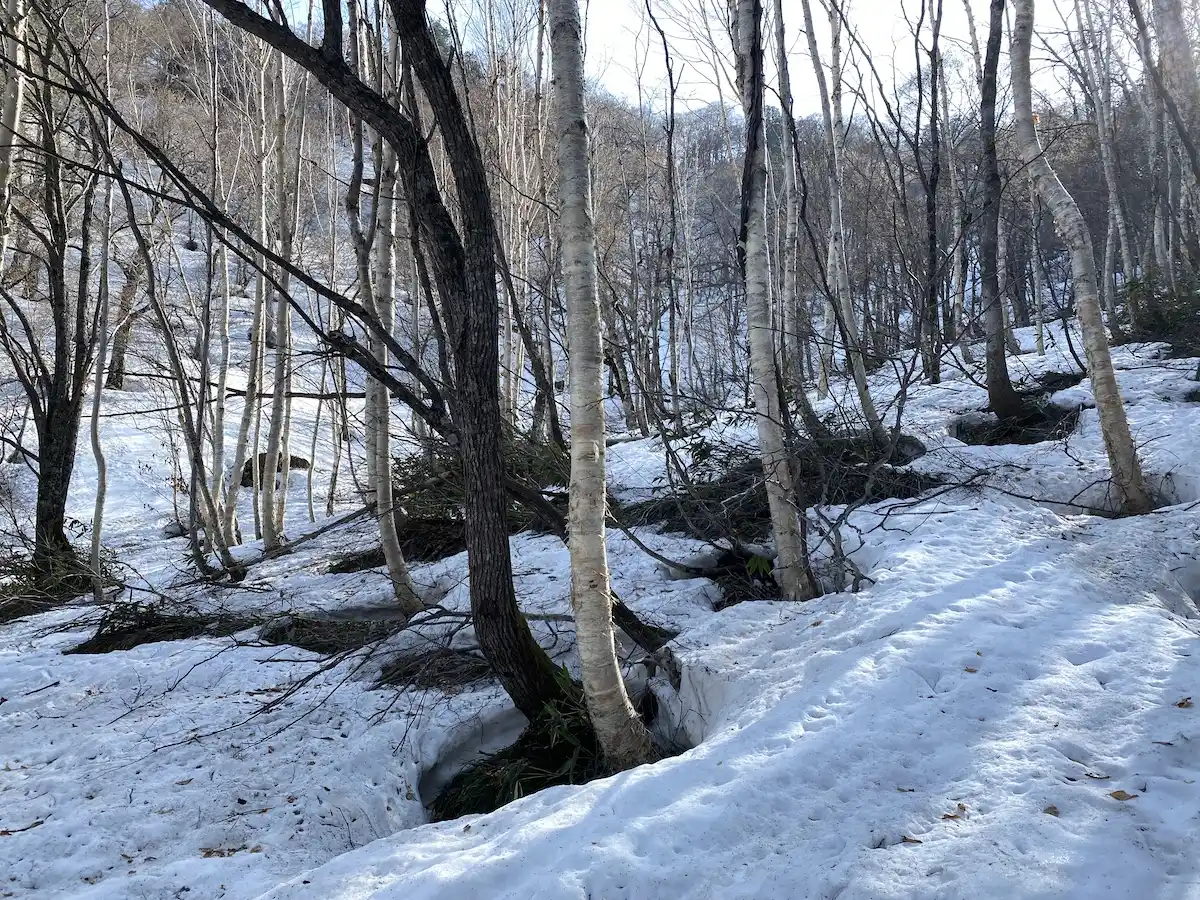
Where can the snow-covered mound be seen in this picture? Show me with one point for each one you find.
(1004, 714)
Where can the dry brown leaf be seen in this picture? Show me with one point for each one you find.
(1122, 795)
(1051, 810)
(907, 840)
(220, 852)
(1185, 703)
(970, 669)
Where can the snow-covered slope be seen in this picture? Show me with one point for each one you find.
(1003, 711)
(906, 742)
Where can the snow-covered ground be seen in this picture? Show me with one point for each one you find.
(1004, 710)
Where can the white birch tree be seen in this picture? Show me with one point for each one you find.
(622, 735)
(791, 564)
(1118, 441)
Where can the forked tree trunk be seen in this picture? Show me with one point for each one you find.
(1118, 441)
(462, 263)
(791, 564)
(1001, 397)
(621, 733)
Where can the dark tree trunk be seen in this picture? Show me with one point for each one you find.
(932, 344)
(115, 375)
(464, 270)
(466, 274)
(56, 393)
(58, 435)
(1003, 399)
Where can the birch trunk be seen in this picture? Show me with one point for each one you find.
(622, 735)
(285, 203)
(956, 327)
(1118, 441)
(377, 292)
(1035, 217)
(10, 112)
(1005, 283)
(254, 364)
(792, 346)
(791, 564)
(101, 358)
(1096, 71)
(114, 379)
(1178, 62)
(385, 307)
(221, 269)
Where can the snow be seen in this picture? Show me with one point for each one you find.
(154, 770)
(1004, 663)
(1005, 709)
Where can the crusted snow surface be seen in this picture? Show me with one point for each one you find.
(1004, 713)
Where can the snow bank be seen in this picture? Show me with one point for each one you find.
(903, 742)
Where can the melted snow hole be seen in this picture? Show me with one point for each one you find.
(480, 737)
(1187, 576)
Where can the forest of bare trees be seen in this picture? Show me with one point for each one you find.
(474, 269)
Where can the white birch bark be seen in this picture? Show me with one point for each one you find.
(242, 449)
(101, 358)
(385, 308)
(791, 564)
(277, 324)
(959, 237)
(1035, 265)
(621, 733)
(1118, 441)
(1005, 299)
(10, 113)
(1096, 50)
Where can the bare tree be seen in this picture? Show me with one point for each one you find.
(1001, 396)
(464, 268)
(1118, 441)
(791, 564)
(621, 733)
